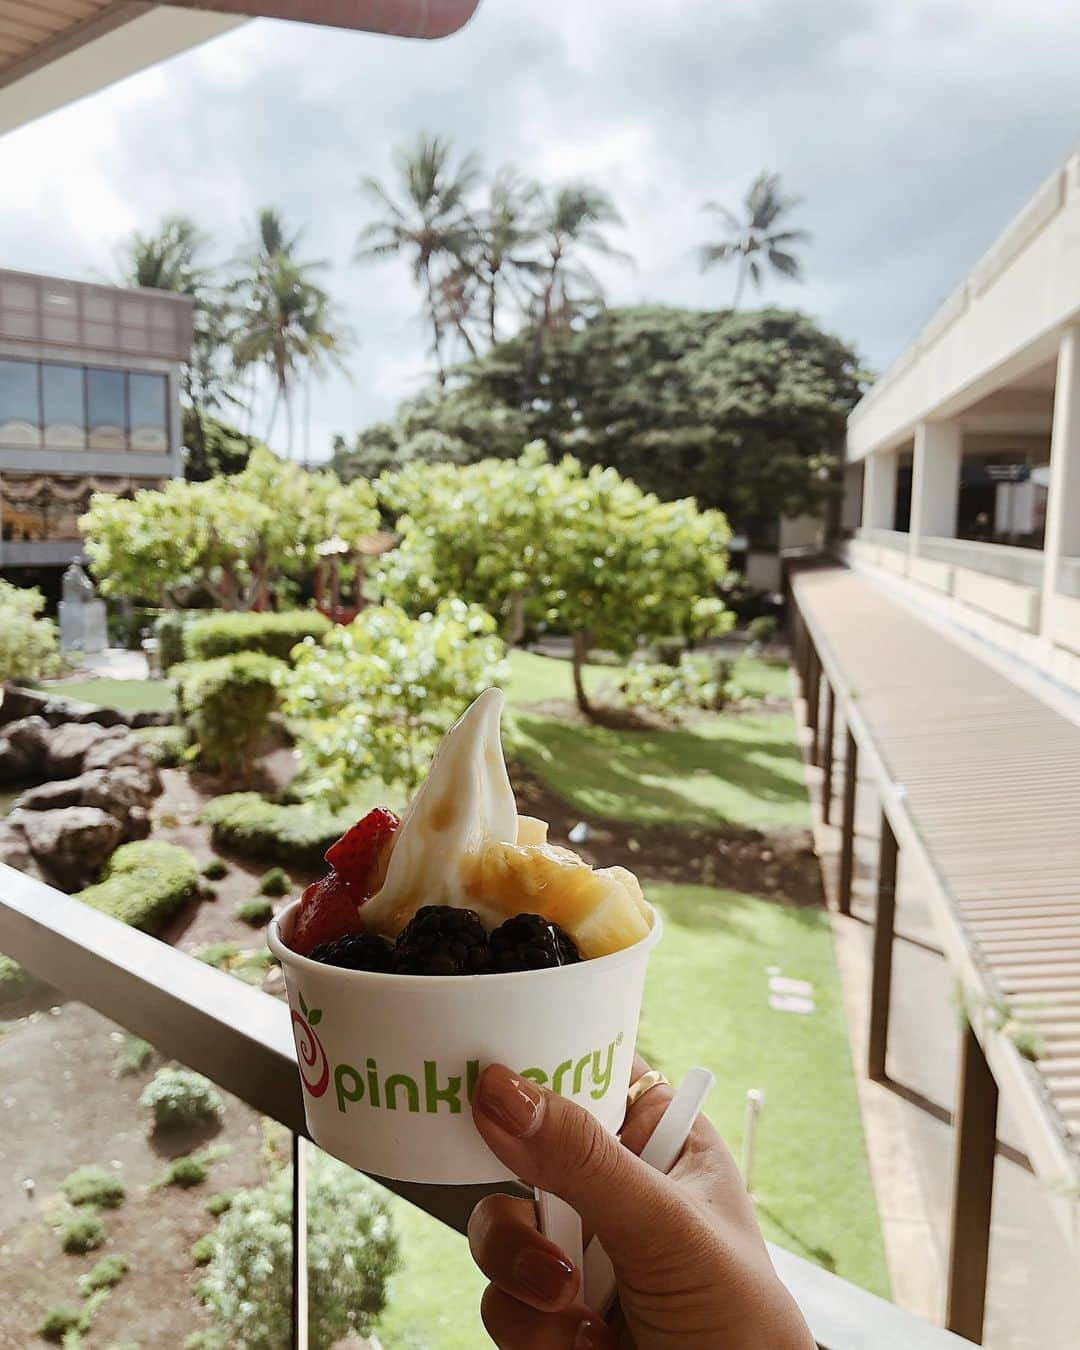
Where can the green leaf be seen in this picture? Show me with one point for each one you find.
(303, 1005)
(314, 1017)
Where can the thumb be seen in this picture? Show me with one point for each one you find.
(557, 1146)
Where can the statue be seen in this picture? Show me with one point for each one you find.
(82, 614)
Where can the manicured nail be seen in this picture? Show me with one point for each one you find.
(593, 1335)
(514, 1104)
(543, 1275)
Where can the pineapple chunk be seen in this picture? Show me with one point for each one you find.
(602, 911)
(530, 830)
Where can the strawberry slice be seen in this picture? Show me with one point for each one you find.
(329, 908)
(361, 852)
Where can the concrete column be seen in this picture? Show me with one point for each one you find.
(1063, 498)
(879, 491)
(935, 481)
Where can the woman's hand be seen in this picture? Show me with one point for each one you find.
(693, 1271)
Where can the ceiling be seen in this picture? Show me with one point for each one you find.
(28, 26)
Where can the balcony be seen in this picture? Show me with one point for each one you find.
(241, 1038)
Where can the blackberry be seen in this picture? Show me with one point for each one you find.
(442, 940)
(355, 951)
(531, 942)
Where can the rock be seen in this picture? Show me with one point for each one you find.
(138, 824)
(72, 842)
(18, 703)
(23, 750)
(119, 747)
(159, 718)
(68, 745)
(117, 790)
(60, 711)
(15, 849)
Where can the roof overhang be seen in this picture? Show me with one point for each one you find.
(53, 52)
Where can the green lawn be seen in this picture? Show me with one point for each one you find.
(761, 678)
(127, 695)
(535, 679)
(742, 769)
(707, 1003)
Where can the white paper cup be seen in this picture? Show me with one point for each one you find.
(389, 1062)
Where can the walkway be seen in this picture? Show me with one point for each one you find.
(979, 782)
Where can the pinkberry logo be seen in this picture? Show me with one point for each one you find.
(314, 1068)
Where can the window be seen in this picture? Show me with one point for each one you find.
(65, 407)
(149, 401)
(20, 403)
(106, 402)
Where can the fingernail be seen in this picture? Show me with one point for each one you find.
(513, 1103)
(593, 1335)
(542, 1274)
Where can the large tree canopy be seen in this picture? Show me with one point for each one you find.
(743, 410)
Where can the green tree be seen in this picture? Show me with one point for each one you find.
(228, 540)
(424, 219)
(586, 553)
(213, 447)
(284, 321)
(753, 238)
(743, 410)
(29, 648)
(375, 697)
(505, 250)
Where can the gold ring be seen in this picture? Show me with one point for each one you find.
(644, 1084)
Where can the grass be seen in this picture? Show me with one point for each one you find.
(743, 770)
(761, 678)
(535, 679)
(707, 1003)
(126, 695)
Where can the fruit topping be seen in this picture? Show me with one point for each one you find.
(531, 942)
(443, 940)
(356, 951)
(361, 854)
(329, 908)
(602, 911)
(530, 830)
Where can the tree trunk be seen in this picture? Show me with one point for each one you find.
(436, 332)
(740, 281)
(491, 309)
(273, 412)
(580, 652)
(514, 627)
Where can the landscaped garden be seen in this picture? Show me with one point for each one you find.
(648, 723)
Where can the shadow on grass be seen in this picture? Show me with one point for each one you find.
(748, 755)
(819, 1255)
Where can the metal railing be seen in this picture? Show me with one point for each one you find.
(1023, 566)
(241, 1038)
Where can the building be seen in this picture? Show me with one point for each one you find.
(964, 458)
(89, 402)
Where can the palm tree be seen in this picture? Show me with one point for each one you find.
(573, 225)
(427, 222)
(284, 320)
(754, 234)
(171, 258)
(507, 236)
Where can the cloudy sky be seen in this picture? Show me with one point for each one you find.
(914, 132)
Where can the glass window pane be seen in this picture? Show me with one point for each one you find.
(148, 396)
(20, 407)
(106, 398)
(65, 408)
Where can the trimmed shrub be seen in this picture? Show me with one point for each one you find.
(220, 955)
(83, 1232)
(185, 1172)
(219, 1203)
(108, 1273)
(164, 746)
(203, 1249)
(223, 634)
(274, 882)
(29, 644)
(227, 703)
(215, 869)
(256, 911)
(169, 631)
(253, 827)
(57, 1322)
(762, 629)
(180, 1098)
(92, 1185)
(144, 884)
(14, 979)
(352, 1252)
(135, 1054)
